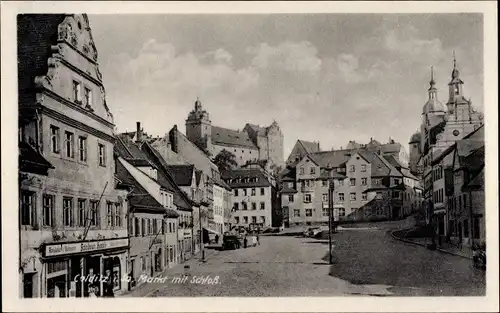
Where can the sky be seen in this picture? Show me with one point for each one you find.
(330, 78)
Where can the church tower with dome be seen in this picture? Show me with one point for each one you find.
(442, 125)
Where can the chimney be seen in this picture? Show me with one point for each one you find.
(138, 133)
(173, 139)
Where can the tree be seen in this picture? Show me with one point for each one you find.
(225, 161)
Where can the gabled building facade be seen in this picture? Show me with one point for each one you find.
(254, 199)
(72, 215)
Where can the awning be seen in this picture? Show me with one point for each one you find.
(211, 231)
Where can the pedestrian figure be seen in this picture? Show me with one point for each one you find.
(254, 240)
(245, 242)
(108, 285)
(258, 240)
(216, 238)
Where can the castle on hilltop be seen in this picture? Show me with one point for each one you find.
(253, 143)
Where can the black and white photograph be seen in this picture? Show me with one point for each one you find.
(252, 155)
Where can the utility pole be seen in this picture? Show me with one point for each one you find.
(330, 212)
(202, 245)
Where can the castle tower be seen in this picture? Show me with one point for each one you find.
(199, 127)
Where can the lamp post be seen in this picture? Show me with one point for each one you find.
(330, 216)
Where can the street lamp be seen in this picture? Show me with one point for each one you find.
(331, 187)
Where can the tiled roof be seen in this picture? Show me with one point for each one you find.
(182, 174)
(331, 159)
(476, 182)
(230, 137)
(309, 147)
(261, 131)
(465, 147)
(287, 189)
(245, 178)
(165, 177)
(28, 156)
(392, 170)
(379, 166)
(392, 160)
(128, 149)
(140, 198)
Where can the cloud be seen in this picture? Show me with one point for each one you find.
(288, 56)
(330, 95)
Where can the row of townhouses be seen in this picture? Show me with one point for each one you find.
(361, 182)
(448, 153)
(94, 202)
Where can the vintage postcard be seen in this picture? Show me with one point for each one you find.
(250, 156)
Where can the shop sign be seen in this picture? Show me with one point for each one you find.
(79, 247)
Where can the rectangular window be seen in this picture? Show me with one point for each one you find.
(364, 181)
(341, 197)
(395, 194)
(94, 213)
(324, 198)
(109, 215)
(143, 227)
(262, 206)
(466, 228)
(237, 219)
(87, 97)
(254, 219)
(245, 219)
(254, 206)
(102, 155)
(364, 196)
(54, 139)
(28, 208)
(48, 210)
(253, 192)
(77, 92)
(352, 168)
(245, 192)
(296, 212)
(149, 227)
(363, 167)
(312, 170)
(353, 196)
(263, 219)
(236, 206)
(245, 206)
(341, 212)
(290, 198)
(82, 203)
(118, 215)
(262, 191)
(68, 211)
(341, 182)
(137, 227)
(324, 183)
(68, 144)
(307, 198)
(352, 182)
(325, 211)
(82, 149)
(236, 192)
(309, 212)
(301, 171)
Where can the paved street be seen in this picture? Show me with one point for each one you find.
(368, 262)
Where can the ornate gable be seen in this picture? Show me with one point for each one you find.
(74, 54)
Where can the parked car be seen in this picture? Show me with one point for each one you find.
(231, 242)
(312, 232)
